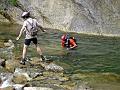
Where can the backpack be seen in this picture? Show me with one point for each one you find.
(33, 31)
(67, 41)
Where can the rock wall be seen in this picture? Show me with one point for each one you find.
(100, 17)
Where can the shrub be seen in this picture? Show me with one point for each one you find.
(13, 2)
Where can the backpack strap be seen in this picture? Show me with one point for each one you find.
(31, 24)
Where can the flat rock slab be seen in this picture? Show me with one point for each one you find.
(7, 88)
(52, 67)
(37, 88)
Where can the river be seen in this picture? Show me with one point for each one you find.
(96, 60)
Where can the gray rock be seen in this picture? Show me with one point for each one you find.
(2, 62)
(20, 77)
(52, 67)
(37, 88)
(83, 86)
(9, 44)
(10, 65)
(6, 80)
(8, 88)
(19, 86)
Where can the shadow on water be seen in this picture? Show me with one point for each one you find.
(94, 54)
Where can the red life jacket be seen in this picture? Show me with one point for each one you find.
(63, 37)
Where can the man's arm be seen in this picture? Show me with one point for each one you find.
(41, 28)
(72, 42)
(20, 34)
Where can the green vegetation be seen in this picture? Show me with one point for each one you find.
(13, 2)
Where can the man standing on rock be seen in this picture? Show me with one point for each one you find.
(30, 27)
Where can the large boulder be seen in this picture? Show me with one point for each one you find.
(20, 76)
(10, 65)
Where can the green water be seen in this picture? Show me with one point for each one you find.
(94, 56)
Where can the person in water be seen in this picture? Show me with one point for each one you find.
(30, 27)
(68, 42)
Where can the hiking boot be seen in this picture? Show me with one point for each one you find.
(42, 57)
(27, 59)
(22, 62)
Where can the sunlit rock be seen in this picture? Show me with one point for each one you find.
(6, 80)
(8, 88)
(37, 88)
(84, 87)
(10, 65)
(20, 76)
(9, 44)
(52, 67)
(19, 86)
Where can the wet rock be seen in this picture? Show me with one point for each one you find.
(2, 44)
(9, 44)
(10, 65)
(2, 62)
(83, 87)
(7, 84)
(6, 81)
(37, 88)
(68, 85)
(47, 66)
(3, 19)
(34, 71)
(8, 88)
(20, 77)
(35, 61)
(52, 74)
(5, 76)
(63, 79)
(52, 67)
(20, 86)
(55, 78)
(35, 75)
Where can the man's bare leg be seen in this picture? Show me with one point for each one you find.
(24, 54)
(40, 52)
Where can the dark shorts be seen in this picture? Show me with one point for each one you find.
(28, 41)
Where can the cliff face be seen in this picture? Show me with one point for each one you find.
(85, 16)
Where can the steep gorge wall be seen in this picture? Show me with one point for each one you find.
(99, 17)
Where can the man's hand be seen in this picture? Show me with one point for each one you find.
(17, 38)
(44, 30)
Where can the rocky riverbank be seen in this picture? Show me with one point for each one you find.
(35, 75)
